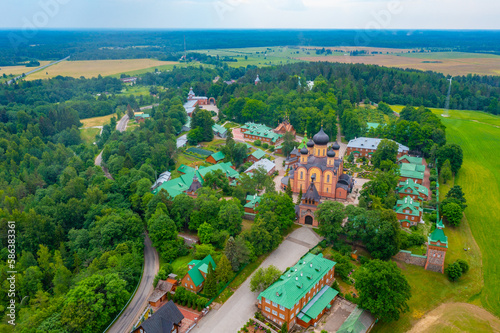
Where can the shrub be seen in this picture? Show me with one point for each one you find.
(453, 271)
(464, 265)
(257, 143)
(363, 260)
(265, 145)
(271, 149)
(432, 217)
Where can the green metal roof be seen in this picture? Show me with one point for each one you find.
(253, 200)
(415, 188)
(218, 156)
(440, 224)
(372, 125)
(193, 262)
(219, 129)
(225, 167)
(181, 184)
(318, 303)
(438, 236)
(412, 167)
(258, 154)
(261, 131)
(142, 115)
(408, 203)
(412, 160)
(195, 273)
(298, 280)
(359, 321)
(409, 170)
(185, 169)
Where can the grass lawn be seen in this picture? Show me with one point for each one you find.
(180, 263)
(97, 121)
(430, 289)
(244, 274)
(88, 134)
(187, 160)
(480, 181)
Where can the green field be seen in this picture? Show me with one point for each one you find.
(88, 134)
(266, 56)
(477, 133)
(480, 180)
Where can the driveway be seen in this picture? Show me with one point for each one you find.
(233, 314)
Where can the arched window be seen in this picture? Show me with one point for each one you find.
(328, 178)
(302, 175)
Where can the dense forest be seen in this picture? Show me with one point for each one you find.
(17, 46)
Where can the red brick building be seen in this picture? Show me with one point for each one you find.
(324, 163)
(308, 206)
(302, 294)
(437, 245)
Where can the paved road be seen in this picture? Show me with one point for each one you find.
(131, 314)
(241, 306)
(122, 124)
(35, 70)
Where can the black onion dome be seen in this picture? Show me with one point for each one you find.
(336, 146)
(310, 143)
(304, 151)
(331, 153)
(321, 138)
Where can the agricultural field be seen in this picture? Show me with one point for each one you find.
(93, 68)
(18, 70)
(452, 63)
(97, 121)
(449, 63)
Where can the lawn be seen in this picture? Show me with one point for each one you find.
(97, 121)
(88, 134)
(480, 181)
(180, 264)
(93, 68)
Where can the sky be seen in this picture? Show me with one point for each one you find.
(251, 14)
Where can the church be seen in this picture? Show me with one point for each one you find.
(320, 164)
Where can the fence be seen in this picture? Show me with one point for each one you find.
(200, 151)
(131, 296)
(223, 288)
(410, 258)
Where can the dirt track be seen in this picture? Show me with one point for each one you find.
(457, 317)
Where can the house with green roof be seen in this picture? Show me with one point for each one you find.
(408, 211)
(302, 294)
(216, 157)
(141, 117)
(198, 270)
(256, 156)
(412, 189)
(437, 245)
(219, 130)
(253, 131)
(252, 203)
(370, 126)
(411, 160)
(183, 184)
(412, 171)
(359, 321)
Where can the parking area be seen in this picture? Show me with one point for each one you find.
(233, 314)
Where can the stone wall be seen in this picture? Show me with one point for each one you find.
(410, 258)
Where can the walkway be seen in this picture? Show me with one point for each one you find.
(241, 306)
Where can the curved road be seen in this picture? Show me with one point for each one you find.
(129, 317)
